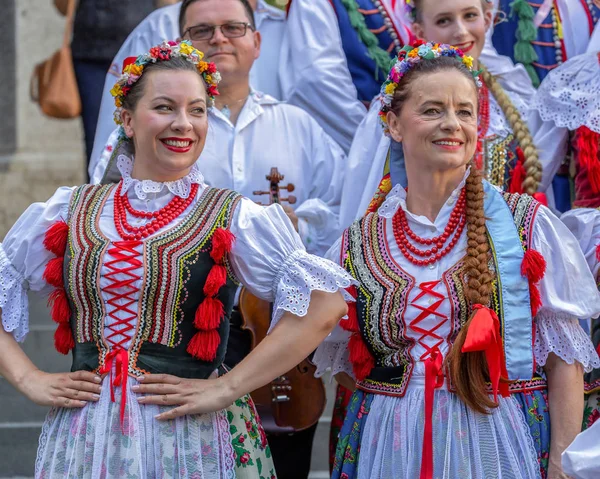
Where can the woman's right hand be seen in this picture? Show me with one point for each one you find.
(70, 390)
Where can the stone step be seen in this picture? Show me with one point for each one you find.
(18, 447)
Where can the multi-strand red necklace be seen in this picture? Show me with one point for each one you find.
(483, 122)
(402, 233)
(160, 218)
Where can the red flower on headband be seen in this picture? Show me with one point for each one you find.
(128, 61)
(212, 90)
(212, 68)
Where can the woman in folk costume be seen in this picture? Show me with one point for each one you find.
(462, 333)
(142, 276)
(505, 149)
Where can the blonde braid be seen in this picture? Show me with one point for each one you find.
(532, 164)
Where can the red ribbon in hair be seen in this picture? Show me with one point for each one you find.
(484, 335)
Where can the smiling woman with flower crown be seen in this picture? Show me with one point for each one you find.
(142, 277)
(462, 334)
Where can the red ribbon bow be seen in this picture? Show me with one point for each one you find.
(120, 358)
(484, 335)
(434, 379)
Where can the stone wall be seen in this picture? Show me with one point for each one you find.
(37, 153)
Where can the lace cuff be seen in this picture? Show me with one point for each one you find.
(301, 274)
(13, 299)
(332, 356)
(562, 335)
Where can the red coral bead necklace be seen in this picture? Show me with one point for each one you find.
(402, 233)
(160, 218)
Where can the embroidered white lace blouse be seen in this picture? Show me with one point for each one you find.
(568, 292)
(268, 256)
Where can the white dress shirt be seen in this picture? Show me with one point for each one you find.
(270, 134)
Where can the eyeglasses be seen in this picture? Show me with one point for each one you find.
(204, 33)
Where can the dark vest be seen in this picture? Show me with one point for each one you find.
(175, 267)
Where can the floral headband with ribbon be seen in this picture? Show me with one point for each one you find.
(409, 6)
(133, 69)
(410, 56)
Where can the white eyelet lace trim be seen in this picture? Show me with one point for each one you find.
(301, 274)
(570, 95)
(562, 335)
(332, 356)
(13, 299)
(180, 187)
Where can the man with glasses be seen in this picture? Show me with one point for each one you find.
(311, 81)
(249, 133)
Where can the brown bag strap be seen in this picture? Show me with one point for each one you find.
(69, 22)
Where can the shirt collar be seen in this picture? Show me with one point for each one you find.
(142, 188)
(251, 110)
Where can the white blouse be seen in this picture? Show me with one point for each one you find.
(268, 256)
(568, 291)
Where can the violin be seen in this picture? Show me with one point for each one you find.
(296, 400)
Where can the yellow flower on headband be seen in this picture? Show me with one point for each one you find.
(208, 79)
(413, 53)
(202, 67)
(390, 89)
(116, 90)
(186, 49)
(134, 69)
(468, 61)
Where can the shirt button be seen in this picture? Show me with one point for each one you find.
(450, 201)
(431, 300)
(432, 266)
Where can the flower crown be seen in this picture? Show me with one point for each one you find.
(409, 7)
(408, 57)
(133, 68)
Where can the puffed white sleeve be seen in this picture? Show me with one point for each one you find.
(332, 354)
(568, 293)
(23, 258)
(268, 257)
(584, 223)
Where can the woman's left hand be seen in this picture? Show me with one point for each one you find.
(190, 396)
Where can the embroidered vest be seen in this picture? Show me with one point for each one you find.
(175, 267)
(385, 287)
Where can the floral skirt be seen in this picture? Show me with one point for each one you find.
(91, 443)
(382, 437)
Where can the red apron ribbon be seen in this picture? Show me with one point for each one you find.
(434, 379)
(120, 358)
(484, 335)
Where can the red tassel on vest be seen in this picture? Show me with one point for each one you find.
(209, 314)
(63, 338)
(55, 239)
(53, 274)
(533, 268)
(518, 174)
(217, 277)
(222, 242)
(211, 311)
(361, 358)
(60, 309)
(204, 345)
